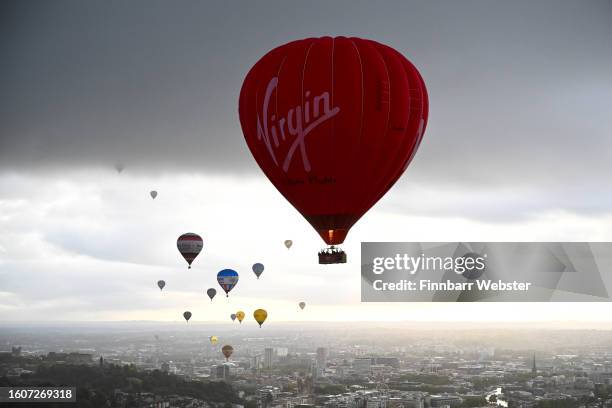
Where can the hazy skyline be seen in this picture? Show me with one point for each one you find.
(517, 148)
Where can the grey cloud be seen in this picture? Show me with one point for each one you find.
(519, 90)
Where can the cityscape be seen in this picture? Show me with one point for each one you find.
(335, 365)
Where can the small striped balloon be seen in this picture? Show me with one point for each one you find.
(190, 245)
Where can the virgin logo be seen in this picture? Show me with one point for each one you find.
(298, 122)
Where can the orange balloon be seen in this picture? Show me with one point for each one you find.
(240, 316)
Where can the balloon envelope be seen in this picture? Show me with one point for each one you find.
(190, 245)
(302, 305)
(161, 284)
(288, 243)
(187, 315)
(233, 316)
(258, 269)
(213, 340)
(240, 316)
(153, 194)
(227, 351)
(333, 123)
(227, 278)
(260, 316)
(211, 293)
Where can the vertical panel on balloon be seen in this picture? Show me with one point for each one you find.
(251, 112)
(348, 96)
(317, 148)
(393, 141)
(419, 108)
(375, 119)
(288, 117)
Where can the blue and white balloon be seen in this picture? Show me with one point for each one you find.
(227, 278)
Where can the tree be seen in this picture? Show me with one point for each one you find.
(469, 402)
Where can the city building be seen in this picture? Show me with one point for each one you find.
(362, 365)
(268, 353)
(321, 357)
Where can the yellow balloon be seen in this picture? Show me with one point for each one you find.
(213, 340)
(240, 316)
(260, 316)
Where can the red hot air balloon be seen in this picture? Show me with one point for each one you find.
(333, 123)
(189, 245)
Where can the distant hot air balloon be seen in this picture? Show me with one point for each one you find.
(258, 269)
(240, 316)
(213, 340)
(153, 194)
(211, 293)
(189, 245)
(233, 316)
(288, 243)
(161, 284)
(119, 167)
(333, 123)
(227, 278)
(227, 351)
(187, 315)
(302, 305)
(260, 316)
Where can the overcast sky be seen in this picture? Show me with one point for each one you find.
(518, 147)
